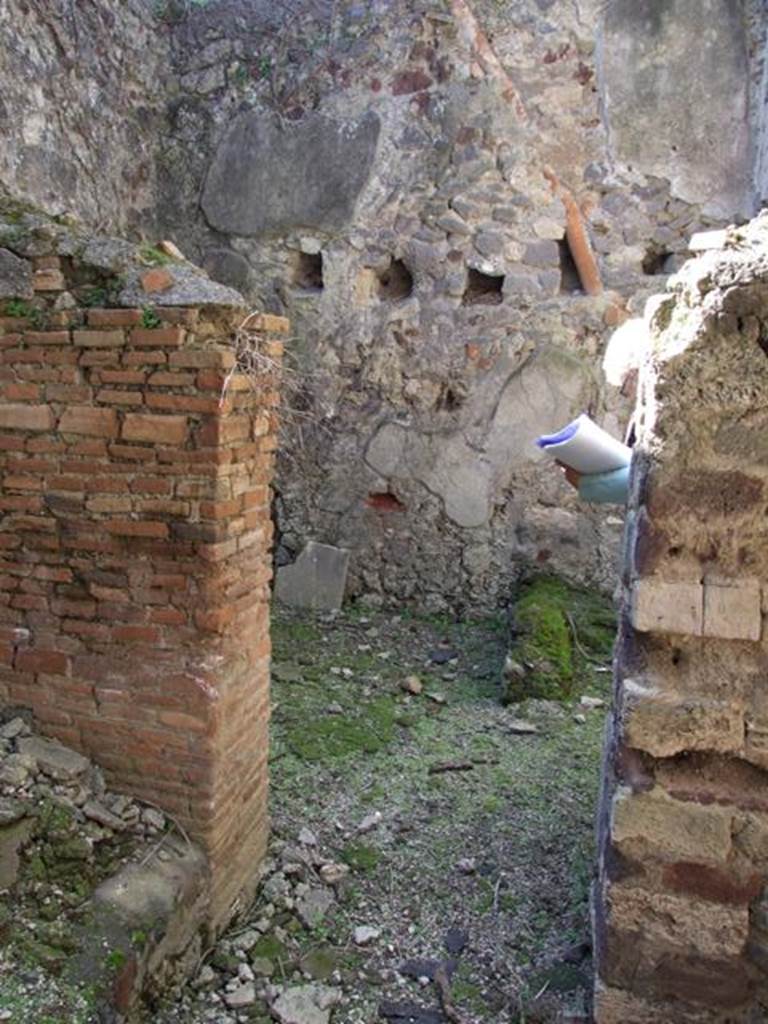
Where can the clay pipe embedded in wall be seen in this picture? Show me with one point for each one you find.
(576, 236)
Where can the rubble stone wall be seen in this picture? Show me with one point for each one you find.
(135, 538)
(680, 906)
(82, 108)
(455, 203)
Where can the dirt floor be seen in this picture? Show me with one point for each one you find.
(433, 849)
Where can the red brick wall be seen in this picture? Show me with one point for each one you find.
(134, 558)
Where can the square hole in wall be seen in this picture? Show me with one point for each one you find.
(396, 282)
(308, 271)
(483, 289)
(654, 260)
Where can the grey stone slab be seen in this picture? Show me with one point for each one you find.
(268, 178)
(228, 267)
(189, 287)
(316, 579)
(15, 277)
(54, 759)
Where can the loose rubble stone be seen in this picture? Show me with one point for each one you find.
(305, 1004)
(262, 967)
(332, 874)
(369, 823)
(54, 759)
(16, 727)
(242, 995)
(17, 769)
(364, 935)
(306, 837)
(247, 940)
(11, 810)
(591, 702)
(96, 812)
(15, 277)
(519, 727)
(412, 684)
(313, 907)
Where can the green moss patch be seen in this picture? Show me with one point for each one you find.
(558, 631)
(369, 729)
(360, 857)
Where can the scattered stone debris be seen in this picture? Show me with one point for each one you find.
(380, 872)
(64, 839)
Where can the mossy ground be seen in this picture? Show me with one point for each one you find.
(559, 630)
(348, 741)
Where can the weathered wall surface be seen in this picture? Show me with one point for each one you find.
(673, 114)
(82, 105)
(399, 177)
(403, 192)
(135, 531)
(680, 906)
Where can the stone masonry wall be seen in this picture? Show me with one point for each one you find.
(412, 183)
(82, 108)
(135, 534)
(680, 907)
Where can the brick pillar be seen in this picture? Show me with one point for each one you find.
(681, 930)
(135, 534)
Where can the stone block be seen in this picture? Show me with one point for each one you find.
(613, 1005)
(316, 579)
(228, 267)
(653, 825)
(13, 838)
(15, 276)
(544, 253)
(661, 607)
(732, 610)
(268, 177)
(54, 759)
(689, 925)
(665, 724)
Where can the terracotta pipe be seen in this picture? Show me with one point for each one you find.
(577, 237)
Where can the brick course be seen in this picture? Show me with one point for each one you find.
(134, 561)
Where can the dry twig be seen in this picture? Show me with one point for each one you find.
(443, 986)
